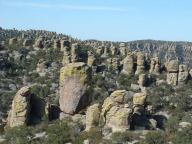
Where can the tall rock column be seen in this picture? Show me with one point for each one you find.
(172, 72)
(74, 87)
(75, 50)
(140, 63)
(128, 65)
(183, 74)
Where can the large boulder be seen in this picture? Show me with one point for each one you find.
(13, 41)
(20, 109)
(118, 118)
(92, 117)
(139, 98)
(74, 85)
(26, 108)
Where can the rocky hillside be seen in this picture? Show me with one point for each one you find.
(57, 89)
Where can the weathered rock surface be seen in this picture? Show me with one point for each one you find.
(139, 98)
(20, 109)
(74, 84)
(183, 74)
(128, 64)
(172, 72)
(92, 116)
(140, 63)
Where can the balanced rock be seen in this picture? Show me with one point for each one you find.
(20, 108)
(66, 56)
(92, 117)
(123, 49)
(74, 85)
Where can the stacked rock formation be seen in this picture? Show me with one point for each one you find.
(116, 115)
(100, 50)
(123, 49)
(128, 64)
(75, 50)
(155, 66)
(65, 47)
(74, 85)
(172, 72)
(114, 50)
(91, 61)
(20, 108)
(106, 52)
(140, 63)
(183, 74)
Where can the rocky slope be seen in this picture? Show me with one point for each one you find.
(92, 91)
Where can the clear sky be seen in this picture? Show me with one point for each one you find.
(117, 20)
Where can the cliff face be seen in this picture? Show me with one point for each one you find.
(165, 50)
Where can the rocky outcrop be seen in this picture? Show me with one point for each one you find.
(118, 118)
(172, 72)
(56, 44)
(27, 42)
(92, 117)
(142, 80)
(91, 61)
(39, 42)
(183, 74)
(155, 66)
(123, 50)
(74, 85)
(128, 64)
(75, 51)
(66, 55)
(140, 63)
(116, 115)
(139, 98)
(20, 109)
(13, 41)
(64, 43)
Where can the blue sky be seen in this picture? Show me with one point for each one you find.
(117, 20)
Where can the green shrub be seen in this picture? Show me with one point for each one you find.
(18, 135)
(155, 138)
(59, 133)
(183, 137)
(121, 137)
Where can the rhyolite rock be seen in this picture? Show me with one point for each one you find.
(118, 118)
(140, 63)
(20, 109)
(74, 85)
(92, 117)
(128, 64)
(183, 74)
(13, 41)
(172, 72)
(139, 98)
